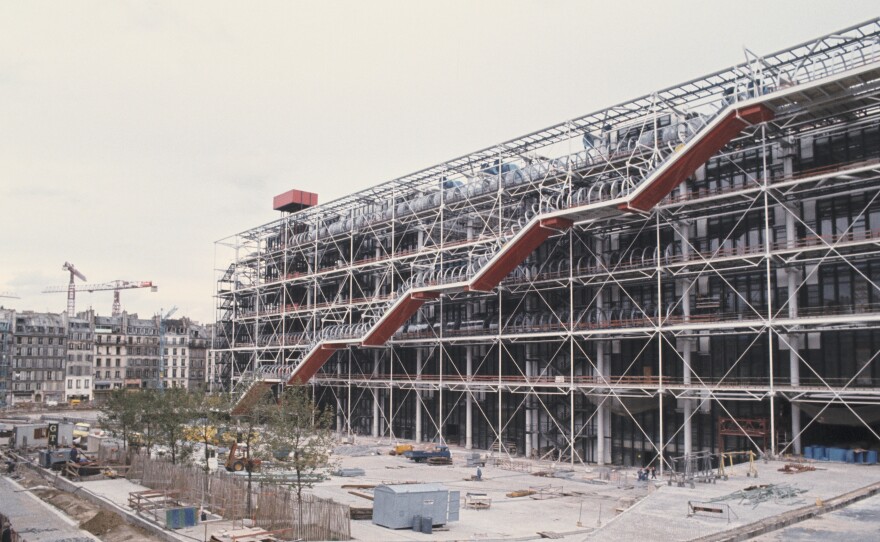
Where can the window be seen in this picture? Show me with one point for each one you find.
(70, 384)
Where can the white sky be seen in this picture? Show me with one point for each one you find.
(133, 135)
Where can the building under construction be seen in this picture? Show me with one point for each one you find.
(692, 269)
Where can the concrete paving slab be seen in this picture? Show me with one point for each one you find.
(664, 514)
(859, 521)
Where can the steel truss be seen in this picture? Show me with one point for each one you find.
(611, 325)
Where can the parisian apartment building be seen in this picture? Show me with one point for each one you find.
(52, 358)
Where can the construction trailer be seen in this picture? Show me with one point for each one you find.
(599, 290)
(30, 435)
(395, 506)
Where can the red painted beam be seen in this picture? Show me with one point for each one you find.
(314, 360)
(526, 243)
(687, 163)
(253, 394)
(398, 314)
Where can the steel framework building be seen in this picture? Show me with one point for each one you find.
(629, 285)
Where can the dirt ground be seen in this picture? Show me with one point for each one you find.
(107, 526)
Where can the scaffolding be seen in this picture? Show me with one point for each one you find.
(603, 290)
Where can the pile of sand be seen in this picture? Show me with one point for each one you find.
(102, 523)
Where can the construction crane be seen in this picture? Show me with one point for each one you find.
(9, 295)
(114, 285)
(71, 290)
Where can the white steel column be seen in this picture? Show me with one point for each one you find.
(687, 345)
(469, 401)
(469, 369)
(391, 393)
(793, 276)
(339, 415)
(418, 396)
(529, 429)
(375, 396)
(603, 417)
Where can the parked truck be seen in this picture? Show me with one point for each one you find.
(439, 453)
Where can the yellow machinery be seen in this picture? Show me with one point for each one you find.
(400, 449)
(728, 457)
(237, 461)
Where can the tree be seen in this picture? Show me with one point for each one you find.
(248, 434)
(300, 428)
(174, 409)
(121, 413)
(149, 424)
(210, 410)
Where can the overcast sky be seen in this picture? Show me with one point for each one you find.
(133, 135)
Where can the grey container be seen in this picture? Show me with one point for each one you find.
(397, 506)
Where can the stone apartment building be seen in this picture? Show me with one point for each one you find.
(6, 339)
(39, 353)
(50, 357)
(80, 358)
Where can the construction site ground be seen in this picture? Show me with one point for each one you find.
(858, 521)
(589, 509)
(578, 506)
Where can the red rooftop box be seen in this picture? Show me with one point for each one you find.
(294, 200)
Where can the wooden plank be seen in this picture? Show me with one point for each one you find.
(362, 495)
